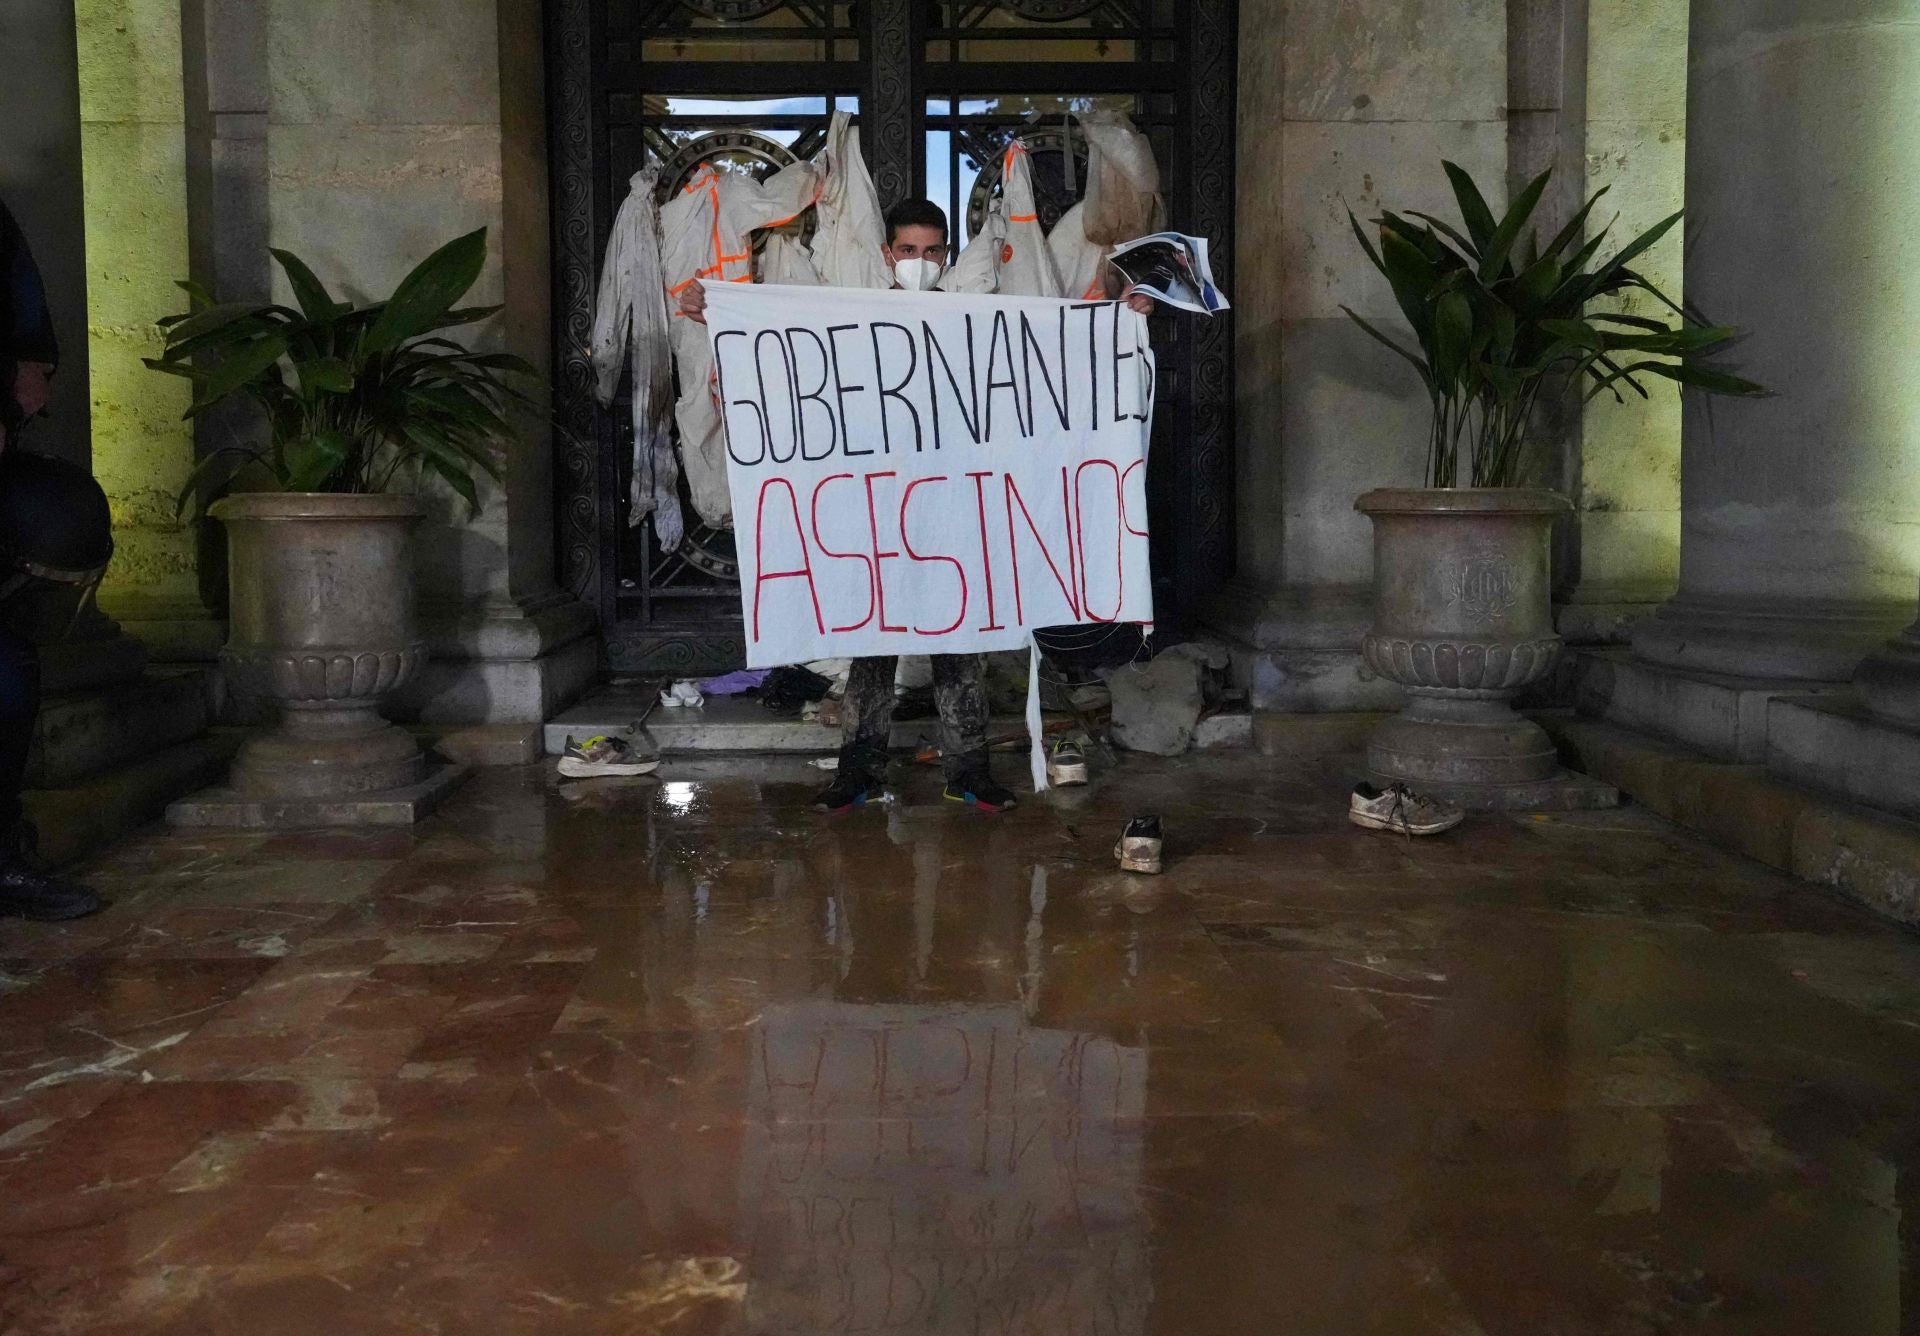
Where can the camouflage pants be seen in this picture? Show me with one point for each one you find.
(958, 692)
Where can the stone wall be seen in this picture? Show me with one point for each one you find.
(1374, 96)
(1349, 106)
(392, 127)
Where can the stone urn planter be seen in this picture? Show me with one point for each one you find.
(1463, 620)
(322, 608)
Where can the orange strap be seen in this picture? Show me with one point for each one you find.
(710, 178)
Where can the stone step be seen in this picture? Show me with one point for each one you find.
(1721, 717)
(742, 724)
(106, 728)
(85, 817)
(1872, 857)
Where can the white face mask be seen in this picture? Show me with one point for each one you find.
(917, 275)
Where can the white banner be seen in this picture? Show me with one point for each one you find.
(931, 473)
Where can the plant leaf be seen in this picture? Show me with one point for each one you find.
(1703, 378)
(1452, 334)
(1444, 228)
(1577, 332)
(196, 294)
(1418, 363)
(1575, 226)
(1473, 208)
(465, 315)
(208, 466)
(331, 374)
(429, 292)
(1638, 246)
(167, 366)
(1632, 321)
(452, 466)
(242, 365)
(1366, 242)
(1413, 279)
(1494, 263)
(207, 321)
(309, 291)
(312, 463)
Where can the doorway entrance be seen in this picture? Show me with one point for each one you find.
(938, 88)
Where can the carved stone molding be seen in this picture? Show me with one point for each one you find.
(1446, 665)
(324, 674)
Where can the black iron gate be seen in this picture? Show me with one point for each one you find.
(938, 87)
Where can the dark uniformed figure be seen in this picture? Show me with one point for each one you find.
(53, 527)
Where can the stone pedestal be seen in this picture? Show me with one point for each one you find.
(1796, 555)
(323, 624)
(228, 807)
(1461, 621)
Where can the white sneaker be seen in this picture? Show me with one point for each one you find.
(1139, 847)
(602, 755)
(1401, 810)
(1066, 764)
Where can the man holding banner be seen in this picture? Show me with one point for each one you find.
(922, 473)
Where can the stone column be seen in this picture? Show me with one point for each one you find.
(126, 56)
(223, 58)
(1625, 559)
(1798, 537)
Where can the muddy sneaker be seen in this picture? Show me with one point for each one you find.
(978, 789)
(1066, 763)
(850, 789)
(1139, 847)
(1401, 810)
(603, 755)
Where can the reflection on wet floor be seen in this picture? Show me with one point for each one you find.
(678, 1055)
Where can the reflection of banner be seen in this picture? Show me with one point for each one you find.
(939, 1171)
(931, 472)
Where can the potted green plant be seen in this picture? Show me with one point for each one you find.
(1462, 613)
(363, 404)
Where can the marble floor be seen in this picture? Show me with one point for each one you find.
(679, 1056)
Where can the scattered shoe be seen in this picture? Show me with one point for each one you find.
(978, 789)
(850, 789)
(1066, 763)
(682, 695)
(29, 894)
(1139, 847)
(602, 755)
(1401, 810)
